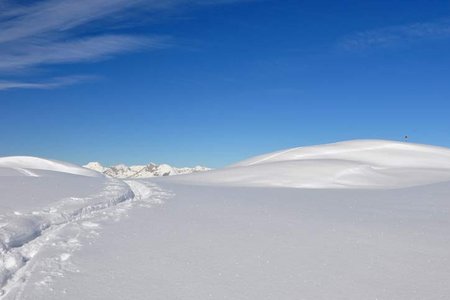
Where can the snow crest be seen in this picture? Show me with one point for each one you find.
(26, 165)
(352, 164)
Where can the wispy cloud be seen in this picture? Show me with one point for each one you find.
(44, 85)
(396, 35)
(46, 32)
(33, 53)
(56, 16)
(60, 31)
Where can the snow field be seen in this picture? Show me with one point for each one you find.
(353, 220)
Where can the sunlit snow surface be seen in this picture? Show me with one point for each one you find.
(352, 220)
(354, 164)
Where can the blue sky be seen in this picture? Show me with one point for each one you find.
(212, 82)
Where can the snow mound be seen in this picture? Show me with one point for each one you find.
(351, 164)
(27, 164)
(370, 152)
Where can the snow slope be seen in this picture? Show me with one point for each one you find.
(353, 164)
(351, 220)
(371, 152)
(40, 197)
(34, 163)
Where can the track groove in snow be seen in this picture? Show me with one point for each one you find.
(47, 252)
(23, 235)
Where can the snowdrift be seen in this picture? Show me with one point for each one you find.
(27, 165)
(351, 164)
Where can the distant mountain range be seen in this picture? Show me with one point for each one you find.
(143, 171)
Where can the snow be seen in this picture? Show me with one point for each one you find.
(95, 166)
(40, 197)
(370, 152)
(353, 164)
(353, 220)
(35, 163)
(268, 243)
(123, 171)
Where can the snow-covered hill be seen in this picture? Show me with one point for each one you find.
(28, 165)
(143, 171)
(39, 197)
(353, 220)
(351, 164)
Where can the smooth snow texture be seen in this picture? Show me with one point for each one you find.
(212, 242)
(371, 152)
(27, 163)
(353, 164)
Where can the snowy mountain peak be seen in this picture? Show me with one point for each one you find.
(142, 171)
(95, 166)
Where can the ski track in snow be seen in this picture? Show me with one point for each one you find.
(45, 240)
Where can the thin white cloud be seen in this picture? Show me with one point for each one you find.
(44, 85)
(396, 35)
(34, 53)
(58, 16)
(62, 31)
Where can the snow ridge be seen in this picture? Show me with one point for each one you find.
(25, 163)
(375, 164)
